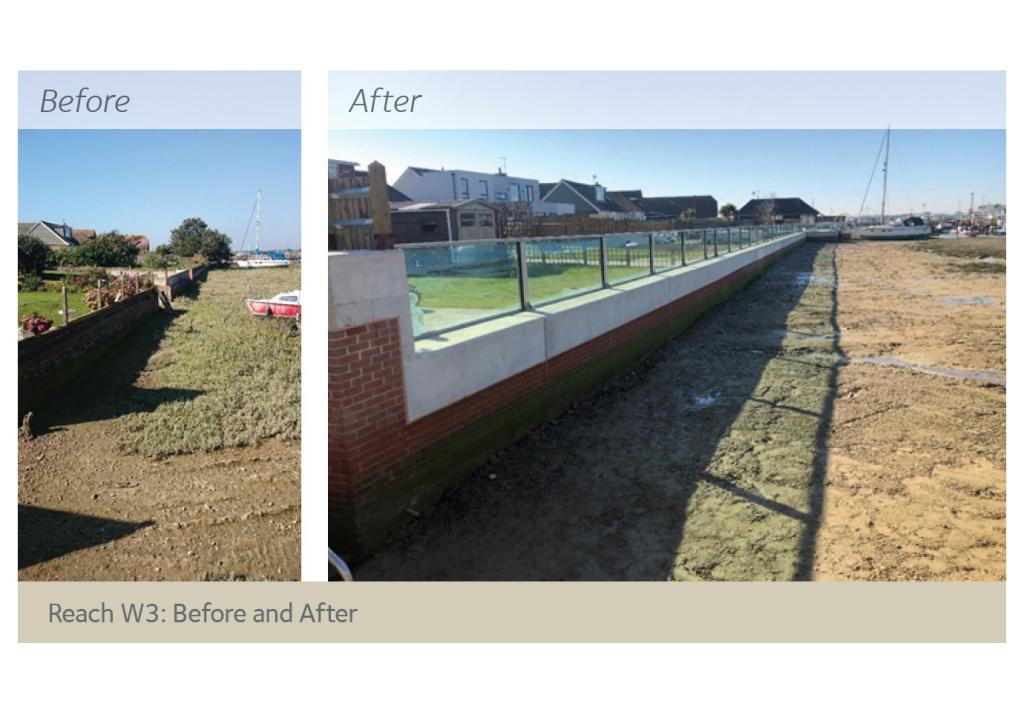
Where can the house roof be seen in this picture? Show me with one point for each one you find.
(55, 229)
(397, 196)
(672, 205)
(781, 206)
(545, 188)
(631, 195)
(611, 203)
(440, 205)
(421, 171)
(83, 234)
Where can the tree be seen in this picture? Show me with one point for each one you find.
(187, 238)
(111, 249)
(195, 237)
(688, 215)
(729, 212)
(33, 255)
(216, 247)
(766, 212)
(160, 258)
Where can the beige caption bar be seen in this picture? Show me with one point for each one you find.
(522, 612)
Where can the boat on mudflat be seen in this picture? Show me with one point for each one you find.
(906, 229)
(286, 305)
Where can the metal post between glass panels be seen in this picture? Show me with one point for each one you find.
(604, 262)
(682, 248)
(524, 277)
(650, 252)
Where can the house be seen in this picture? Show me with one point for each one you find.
(140, 241)
(591, 199)
(444, 221)
(791, 210)
(53, 235)
(83, 234)
(424, 184)
(337, 168)
(672, 207)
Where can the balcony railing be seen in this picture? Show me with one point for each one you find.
(457, 284)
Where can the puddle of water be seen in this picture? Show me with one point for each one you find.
(802, 279)
(976, 299)
(705, 400)
(970, 374)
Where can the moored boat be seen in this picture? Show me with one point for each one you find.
(260, 259)
(909, 228)
(286, 305)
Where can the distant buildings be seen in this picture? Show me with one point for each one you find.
(790, 210)
(590, 199)
(673, 207)
(423, 184)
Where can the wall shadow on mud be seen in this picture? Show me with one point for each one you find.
(45, 534)
(706, 462)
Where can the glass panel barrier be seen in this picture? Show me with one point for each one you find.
(453, 285)
(557, 269)
(627, 256)
(668, 250)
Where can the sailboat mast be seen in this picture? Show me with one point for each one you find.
(259, 198)
(885, 172)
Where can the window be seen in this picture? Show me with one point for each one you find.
(465, 187)
(486, 219)
(501, 196)
(428, 228)
(529, 194)
(467, 219)
(483, 189)
(513, 191)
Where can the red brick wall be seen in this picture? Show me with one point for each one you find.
(380, 465)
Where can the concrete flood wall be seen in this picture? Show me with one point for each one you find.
(409, 419)
(51, 360)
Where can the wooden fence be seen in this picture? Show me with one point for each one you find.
(359, 217)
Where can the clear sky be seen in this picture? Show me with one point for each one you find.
(146, 182)
(827, 167)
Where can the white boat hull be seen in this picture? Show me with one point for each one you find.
(254, 264)
(892, 232)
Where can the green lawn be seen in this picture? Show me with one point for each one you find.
(48, 304)
(546, 282)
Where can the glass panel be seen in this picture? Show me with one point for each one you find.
(627, 256)
(668, 250)
(694, 246)
(451, 285)
(557, 269)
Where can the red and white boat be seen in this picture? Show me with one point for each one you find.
(286, 305)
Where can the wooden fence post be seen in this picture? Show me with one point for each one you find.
(64, 300)
(380, 211)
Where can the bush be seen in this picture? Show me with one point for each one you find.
(29, 283)
(111, 249)
(99, 297)
(194, 237)
(35, 324)
(33, 255)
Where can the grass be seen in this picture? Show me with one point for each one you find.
(967, 248)
(48, 304)
(546, 282)
(243, 370)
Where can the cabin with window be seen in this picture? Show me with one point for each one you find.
(443, 221)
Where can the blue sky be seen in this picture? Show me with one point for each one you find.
(830, 167)
(147, 182)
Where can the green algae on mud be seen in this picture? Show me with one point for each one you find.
(219, 376)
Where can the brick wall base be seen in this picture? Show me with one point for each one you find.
(381, 466)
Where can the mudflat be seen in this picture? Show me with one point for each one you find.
(177, 456)
(843, 417)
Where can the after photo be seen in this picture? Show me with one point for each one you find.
(675, 354)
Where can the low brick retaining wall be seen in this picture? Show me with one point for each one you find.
(51, 360)
(395, 447)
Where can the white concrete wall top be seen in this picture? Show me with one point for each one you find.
(441, 370)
